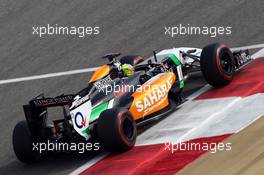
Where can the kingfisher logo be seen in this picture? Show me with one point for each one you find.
(79, 120)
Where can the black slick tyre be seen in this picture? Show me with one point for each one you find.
(116, 130)
(23, 144)
(217, 64)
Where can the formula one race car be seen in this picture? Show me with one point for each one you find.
(121, 96)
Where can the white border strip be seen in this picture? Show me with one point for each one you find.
(187, 135)
(255, 119)
(89, 164)
(260, 53)
(36, 77)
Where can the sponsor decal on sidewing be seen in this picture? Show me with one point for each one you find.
(80, 118)
(154, 98)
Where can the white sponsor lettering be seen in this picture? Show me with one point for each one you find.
(156, 95)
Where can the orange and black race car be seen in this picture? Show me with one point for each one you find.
(122, 95)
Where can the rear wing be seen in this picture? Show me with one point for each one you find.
(41, 101)
(36, 111)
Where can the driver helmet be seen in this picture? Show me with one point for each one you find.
(128, 70)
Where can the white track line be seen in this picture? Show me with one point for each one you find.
(89, 164)
(209, 119)
(242, 128)
(79, 71)
(260, 53)
(57, 74)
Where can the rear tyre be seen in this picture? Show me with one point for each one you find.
(132, 59)
(23, 144)
(116, 130)
(217, 64)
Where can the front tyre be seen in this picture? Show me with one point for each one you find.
(217, 64)
(116, 130)
(23, 144)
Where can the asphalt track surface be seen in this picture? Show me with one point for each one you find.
(125, 26)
